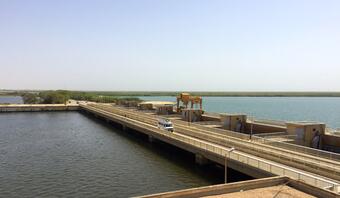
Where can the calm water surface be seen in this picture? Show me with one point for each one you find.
(11, 99)
(322, 109)
(68, 154)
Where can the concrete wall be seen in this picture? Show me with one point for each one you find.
(38, 107)
(264, 128)
(192, 115)
(331, 143)
(224, 189)
(210, 118)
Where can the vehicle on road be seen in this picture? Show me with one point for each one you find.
(165, 124)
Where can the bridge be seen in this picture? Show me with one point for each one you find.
(256, 156)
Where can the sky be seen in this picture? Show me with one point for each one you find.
(170, 45)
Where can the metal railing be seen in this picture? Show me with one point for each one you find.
(273, 168)
(284, 145)
(301, 149)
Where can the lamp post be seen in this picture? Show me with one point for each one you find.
(251, 127)
(189, 117)
(226, 164)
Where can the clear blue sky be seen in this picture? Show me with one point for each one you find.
(255, 45)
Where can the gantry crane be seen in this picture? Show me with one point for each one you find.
(186, 98)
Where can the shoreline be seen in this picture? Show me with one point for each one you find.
(196, 93)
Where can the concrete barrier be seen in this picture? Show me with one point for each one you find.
(243, 187)
(38, 107)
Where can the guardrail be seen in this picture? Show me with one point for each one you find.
(285, 145)
(271, 134)
(273, 168)
(301, 149)
(256, 162)
(292, 147)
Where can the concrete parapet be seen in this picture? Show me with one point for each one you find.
(38, 107)
(267, 187)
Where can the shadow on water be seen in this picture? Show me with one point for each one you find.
(212, 172)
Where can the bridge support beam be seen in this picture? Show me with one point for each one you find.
(201, 160)
(125, 128)
(151, 139)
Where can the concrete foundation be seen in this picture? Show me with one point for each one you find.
(192, 115)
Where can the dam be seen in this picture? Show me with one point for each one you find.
(254, 156)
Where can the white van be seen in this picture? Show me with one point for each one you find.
(165, 124)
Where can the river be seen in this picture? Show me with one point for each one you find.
(69, 154)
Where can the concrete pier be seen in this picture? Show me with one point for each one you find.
(151, 138)
(201, 160)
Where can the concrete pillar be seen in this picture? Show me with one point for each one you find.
(124, 128)
(151, 138)
(200, 159)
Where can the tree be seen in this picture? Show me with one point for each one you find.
(30, 98)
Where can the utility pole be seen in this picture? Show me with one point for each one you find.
(226, 164)
(251, 127)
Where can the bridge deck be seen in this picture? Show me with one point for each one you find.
(214, 144)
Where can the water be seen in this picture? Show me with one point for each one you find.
(68, 154)
(322, 109)
(11, 99)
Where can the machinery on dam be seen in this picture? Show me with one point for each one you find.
(194, 112)
(186, 99)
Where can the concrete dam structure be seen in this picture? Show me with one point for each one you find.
(252, 155)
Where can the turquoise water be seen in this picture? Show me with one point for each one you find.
(321, 109)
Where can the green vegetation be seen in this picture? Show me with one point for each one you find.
(30, 98)
(62, 96)
(54, 97)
